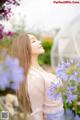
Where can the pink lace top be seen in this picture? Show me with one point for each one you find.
(39, 82)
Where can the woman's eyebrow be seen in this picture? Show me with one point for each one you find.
(33, 41)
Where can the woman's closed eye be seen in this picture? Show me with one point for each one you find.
(33, 41)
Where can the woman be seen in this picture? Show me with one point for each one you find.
(32, 94)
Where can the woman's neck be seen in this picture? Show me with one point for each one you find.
(34, 61)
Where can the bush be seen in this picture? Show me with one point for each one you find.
(47, 45)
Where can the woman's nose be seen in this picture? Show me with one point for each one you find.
(39, 42)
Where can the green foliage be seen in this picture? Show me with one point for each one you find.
(69, 73)
(47, 44)
(18, 26)
(45, 58)
(5, 46)
(5, 43)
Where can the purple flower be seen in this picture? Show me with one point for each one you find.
(1, 31)
(69, 114)
(73, 88)
(3, 81)
(77, 117)
(11, 73)
(1, 28)
(73, 77)
(11, 62)
(17, 76)
(9, 33)
(3, 52)
(1, 36)
(5, 11)
(78, 79)
(71, 97)
(69, 73)
(51, 93)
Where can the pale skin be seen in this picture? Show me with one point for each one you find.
(39, 100)
(37, 49)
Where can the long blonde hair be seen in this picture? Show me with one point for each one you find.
(21, 49)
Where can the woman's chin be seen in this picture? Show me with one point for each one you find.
(42, 51)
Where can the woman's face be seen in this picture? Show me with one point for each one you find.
(36, 46)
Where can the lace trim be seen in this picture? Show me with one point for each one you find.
(36, 111)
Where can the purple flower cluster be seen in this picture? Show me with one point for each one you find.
(11, 74)
(69, 115)
(68, 85)
(3, 53)
(52, 93)
(3, 33)
(5, 7)
(69, 73)
(9, 33)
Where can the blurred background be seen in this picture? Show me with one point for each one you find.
(56, 25)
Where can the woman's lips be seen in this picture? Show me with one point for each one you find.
(40, 46)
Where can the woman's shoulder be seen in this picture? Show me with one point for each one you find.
(50, 77)
(41, 74)
(35, 80)
(35, 75)
(34, 72)
(53, 76)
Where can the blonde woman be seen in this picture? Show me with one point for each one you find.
(32, 94)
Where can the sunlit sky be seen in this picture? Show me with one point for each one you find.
(44, 15)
